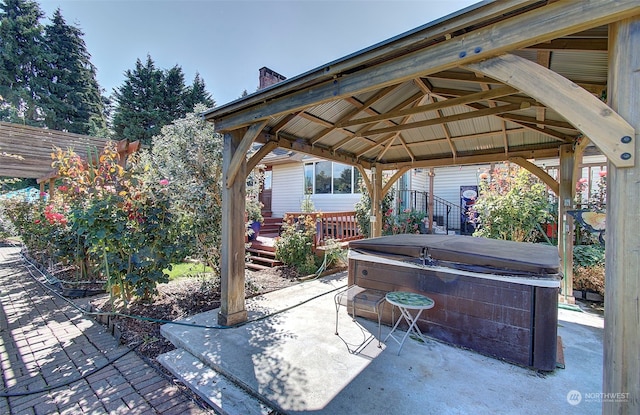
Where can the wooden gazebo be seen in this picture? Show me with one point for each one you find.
(504, 80)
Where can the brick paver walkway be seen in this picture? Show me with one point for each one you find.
(45, 341)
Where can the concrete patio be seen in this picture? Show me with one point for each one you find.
(292, 362)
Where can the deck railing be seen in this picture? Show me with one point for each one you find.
(340, 226)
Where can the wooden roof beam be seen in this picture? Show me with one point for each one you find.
(364, 130)
(359, 107)
(425, 85)
(295, 144)
(478, 96)
(283, 122)
(538, 172)
(516, 118)
(476, 159)
(399, 136)
(446, 93)
(594, 88)
(607, 129)
(315, 119)
(451, 118)
(549, 133)
(467, 137)
(583, 44)
(241, 152)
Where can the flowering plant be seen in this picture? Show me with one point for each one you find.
(408, 221)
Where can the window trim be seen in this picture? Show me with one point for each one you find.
(312, 164)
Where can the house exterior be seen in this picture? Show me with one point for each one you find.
(291, 178)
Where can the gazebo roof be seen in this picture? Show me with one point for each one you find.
(424, 99)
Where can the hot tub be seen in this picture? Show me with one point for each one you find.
(498, 298)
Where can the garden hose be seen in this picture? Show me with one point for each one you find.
(48, 388)
(161, 321)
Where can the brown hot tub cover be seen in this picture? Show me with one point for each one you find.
(480, 253)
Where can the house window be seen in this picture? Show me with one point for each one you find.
(326, 177)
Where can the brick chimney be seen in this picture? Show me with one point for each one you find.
(269, 77)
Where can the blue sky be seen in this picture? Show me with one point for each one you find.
(228, 41)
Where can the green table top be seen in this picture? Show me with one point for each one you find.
(409, 300)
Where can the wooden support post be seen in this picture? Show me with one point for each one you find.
(232, 307)
(376, 202)
(565, 221)
(621, 371)
(41, 190)
(52, 185)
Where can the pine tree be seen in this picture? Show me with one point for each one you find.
(74, 103)
(22, 62)
(174, 91)
(197, 94)
(138, 112)
(151, 98)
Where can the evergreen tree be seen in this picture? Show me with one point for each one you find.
(138, 114)
(22, 62)
(197, 94)
(174, 90)
(152, 98)
(74, 103)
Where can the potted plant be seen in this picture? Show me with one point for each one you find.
(253, 209)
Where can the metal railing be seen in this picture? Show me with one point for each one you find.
(445, 213)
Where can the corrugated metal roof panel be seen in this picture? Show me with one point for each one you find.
(581, 66)
(396, 97)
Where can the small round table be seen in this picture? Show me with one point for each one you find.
(406, 301)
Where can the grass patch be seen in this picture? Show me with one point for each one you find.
(186, 269)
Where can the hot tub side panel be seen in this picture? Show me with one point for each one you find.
(492, 317)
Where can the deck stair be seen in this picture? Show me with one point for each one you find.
(271, 226)
(262, 254)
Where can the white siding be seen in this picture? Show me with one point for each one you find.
(419, 180)
(447, 181)
(335, 203)
(288, 188)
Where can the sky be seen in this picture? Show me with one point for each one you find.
(227, 42)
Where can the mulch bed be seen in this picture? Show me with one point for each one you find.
(182, 298)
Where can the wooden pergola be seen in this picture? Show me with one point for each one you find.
(506, 80)
(25, 151)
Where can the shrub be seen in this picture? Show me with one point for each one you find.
(334, 254)
(588, 268)
(363, 210)
(294, 247)
(408, 221)
(511, 205)
(588, 255)
(187, 156)
(589, 278)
